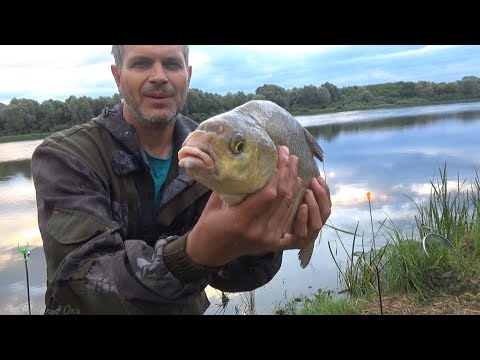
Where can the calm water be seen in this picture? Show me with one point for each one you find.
(391, 153)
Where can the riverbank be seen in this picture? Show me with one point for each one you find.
(434, 270)
(361, 107)
(25, 137)
(38, 136)
(466, 303)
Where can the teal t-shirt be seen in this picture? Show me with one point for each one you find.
(159, 170)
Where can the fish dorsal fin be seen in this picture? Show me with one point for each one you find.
(314, 145)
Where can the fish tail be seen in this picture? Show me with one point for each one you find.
(305, 254)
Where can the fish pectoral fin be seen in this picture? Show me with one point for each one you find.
(315, 147)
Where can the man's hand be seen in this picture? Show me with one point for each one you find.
(255, 225)
(311, 215)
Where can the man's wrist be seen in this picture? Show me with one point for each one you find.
(181, 265)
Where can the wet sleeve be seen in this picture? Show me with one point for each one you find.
(247, 273)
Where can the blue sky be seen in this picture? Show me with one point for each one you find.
(43, 72)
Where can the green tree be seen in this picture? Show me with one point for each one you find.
(325, 98)
(470, 85)
(407, 89)
(79, 109)
(308, 97)
(14, 120)
(55, 115)
(274, 93)
(424, 89)
(21, 116)
(335, 93)
(366, 96)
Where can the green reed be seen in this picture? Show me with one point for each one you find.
(402, 265)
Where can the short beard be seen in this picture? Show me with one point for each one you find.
(149, 121)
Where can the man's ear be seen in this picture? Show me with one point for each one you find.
(116, 75)
(189, 70)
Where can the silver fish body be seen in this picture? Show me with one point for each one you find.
(235, 153)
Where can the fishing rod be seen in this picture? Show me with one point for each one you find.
(26, 256)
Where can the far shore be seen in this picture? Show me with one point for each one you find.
(38, 136)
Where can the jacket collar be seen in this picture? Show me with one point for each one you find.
(131, 158)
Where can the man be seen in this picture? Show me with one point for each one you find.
(126, 231)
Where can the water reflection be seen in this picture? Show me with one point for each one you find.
(393, 157)
(18, 150)
(15, 167)
(18, 225)
(415, 112)
(320, 126)
(13, 289)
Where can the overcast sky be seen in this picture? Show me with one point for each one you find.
(43, 72)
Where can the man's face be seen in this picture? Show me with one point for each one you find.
(153, 82)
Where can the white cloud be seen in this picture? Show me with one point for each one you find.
(199, 59)
(352, 194)
(404, 53)
(366, 77)
(52, 55)
(291, 50)
(42, 72)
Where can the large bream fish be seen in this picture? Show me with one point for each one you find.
(236, 153)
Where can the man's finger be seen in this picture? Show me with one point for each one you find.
(284, 171)
(255, 203)
(323, 184)
(300, 229)
(315, 220)
(323, 200)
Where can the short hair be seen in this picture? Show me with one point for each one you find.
(117, 52)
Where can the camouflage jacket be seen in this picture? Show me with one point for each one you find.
(105, 246)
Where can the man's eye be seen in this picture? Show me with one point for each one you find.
(140, 64)
(172, 65)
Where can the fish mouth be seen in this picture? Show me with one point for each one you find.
(194, 159)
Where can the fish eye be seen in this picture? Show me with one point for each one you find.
(237, 145)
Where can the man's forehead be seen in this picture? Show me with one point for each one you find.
(153, 50)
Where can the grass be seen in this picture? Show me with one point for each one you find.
(453, 214)
(400, 276)
(323, 303)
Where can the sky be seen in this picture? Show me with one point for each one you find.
(43, 72)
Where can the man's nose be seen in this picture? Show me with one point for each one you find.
(158, 74)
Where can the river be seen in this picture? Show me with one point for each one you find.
(393, 153)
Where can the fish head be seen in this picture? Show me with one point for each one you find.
(230, 155)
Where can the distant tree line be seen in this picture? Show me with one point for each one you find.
(26, 116)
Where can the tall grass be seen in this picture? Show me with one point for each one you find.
(402, 266)
(360, 275)
(452, 213)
